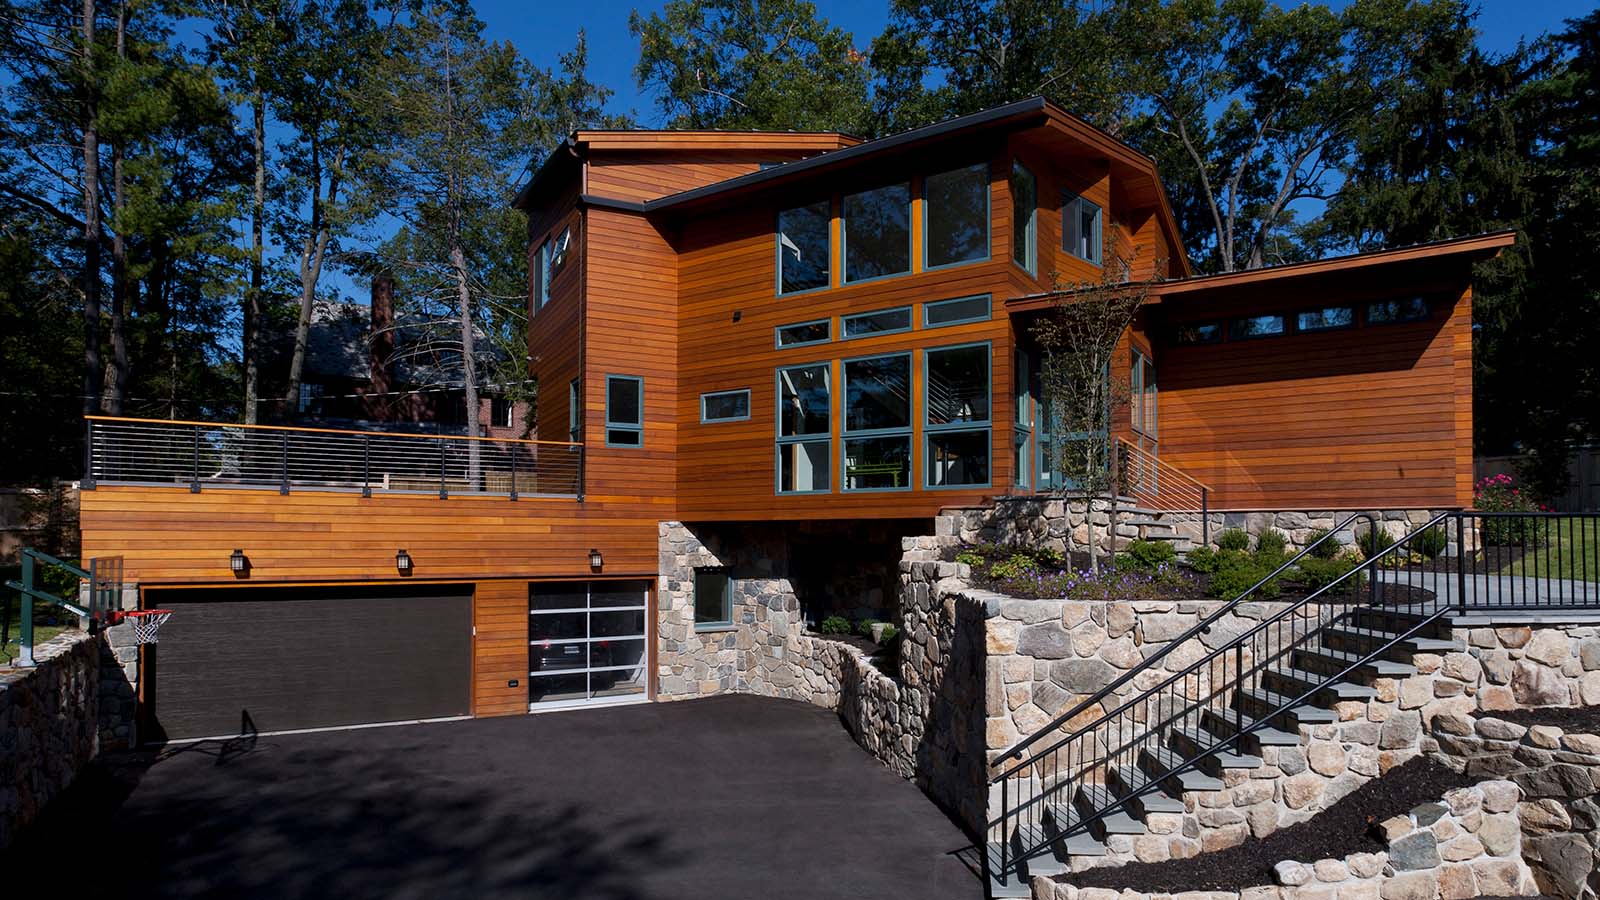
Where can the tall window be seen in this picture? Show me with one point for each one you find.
(804, 248)
(805, 404)
(956, 216)
(1080, 228)
(877, 423)
(1024, 223)
(956, 403)
(713, 598)
(1142, 399)
(574, 406)
(877, 232)
(541, 276)
(624, 411)
(1023, 431)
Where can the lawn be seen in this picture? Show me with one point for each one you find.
(1573, 552)
(48, 620)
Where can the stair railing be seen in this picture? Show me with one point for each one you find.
(1117, 738)
(1162, 486)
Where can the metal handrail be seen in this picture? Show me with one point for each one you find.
(1151, 481)
(199, 455)
(1145, 454)
(1202, 627)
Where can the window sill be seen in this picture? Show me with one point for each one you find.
(715, 629)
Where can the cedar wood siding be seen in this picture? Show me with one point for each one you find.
(554, 332)
(1379, 414)
(647, 175)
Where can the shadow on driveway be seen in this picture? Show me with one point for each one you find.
(731, 797)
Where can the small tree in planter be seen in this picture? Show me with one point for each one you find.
(1081, 387)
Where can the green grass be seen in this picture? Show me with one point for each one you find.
(48, 621)
(1572, 553)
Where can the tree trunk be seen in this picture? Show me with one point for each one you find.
(312, 254)
(91, 221)
(117, 375)
(469, 365)
(252, 296)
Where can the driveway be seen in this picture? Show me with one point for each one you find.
(730, 797)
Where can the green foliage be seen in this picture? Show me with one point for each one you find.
(1374, 542)
(864, 627)
(1236, 572)
(1233, 539)
(970, 557)
(1272, 542)
(1019, 565)
(1431, 542)
(1147, 556)
(1327, 549)
(888, 635)
(834, 625)
(1202, 559)
(1316, 572)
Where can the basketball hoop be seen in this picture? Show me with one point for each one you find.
(146, 623)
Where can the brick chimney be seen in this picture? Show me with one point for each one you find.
(382, 343)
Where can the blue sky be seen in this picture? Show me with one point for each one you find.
(613, 51)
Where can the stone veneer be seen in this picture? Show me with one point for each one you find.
(49, 726)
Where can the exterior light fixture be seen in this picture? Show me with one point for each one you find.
(595, 559)
(402, 562)
(237, 563)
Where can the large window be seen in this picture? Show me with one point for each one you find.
(805, 401)
(624, 411)
(956, 216)
(877, 232)
(1080, 228)
(713, 599)
(725, 406)
(877, 423)
(804, 251)
(956, 401)
(1024, 221)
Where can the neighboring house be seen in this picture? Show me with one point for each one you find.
(363, 370)
(775, 355)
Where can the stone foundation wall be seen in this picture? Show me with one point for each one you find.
(1558, 808)
(49, 726)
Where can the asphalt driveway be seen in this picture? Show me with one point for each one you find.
(731, 797)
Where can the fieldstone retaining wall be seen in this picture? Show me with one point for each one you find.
(1521, 666)
(49, 726)
(1557, 775)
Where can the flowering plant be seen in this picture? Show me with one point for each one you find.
(1500, 494)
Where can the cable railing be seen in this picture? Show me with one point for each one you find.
(1162, 486)
(1066, 780)
(201, 455)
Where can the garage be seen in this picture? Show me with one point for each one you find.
(243, 660)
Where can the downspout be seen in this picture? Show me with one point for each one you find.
(584, 381)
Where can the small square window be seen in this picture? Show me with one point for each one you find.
(1390, 312)
(1080, 228)
(713, 598)
(725, 406)
(500, 412)
(624, 411)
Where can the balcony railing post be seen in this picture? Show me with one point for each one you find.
(366, 465)
(1461, 562)
(582, 456)
(513, 454)
(444, 493)
(1205, 516)
(283, 480)
(194, 477)
(87, 483)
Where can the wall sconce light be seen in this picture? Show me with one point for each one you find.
(237, 562)
(402, 562)
(738, 314)
(595, 559)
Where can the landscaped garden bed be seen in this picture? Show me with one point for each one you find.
(1343, 829)
(870, 637)
(1583, 719)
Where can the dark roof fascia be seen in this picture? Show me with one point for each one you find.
(598, 202)
(565, 151)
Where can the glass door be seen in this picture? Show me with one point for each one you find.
(587, 642)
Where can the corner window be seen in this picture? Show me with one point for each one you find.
(805, 402)
(877, 423)
(624, 411)
(725, 406)
(883, 321)
(1255, 326)
(1024, 218)
(955, 312)
(1326, 319)
(1080, 228)
(713, 598)
(541, 275)
(956, 401)
(574, 405)
(877, 232)
(803, 333)
(956, 216)
(1197, 333)
(1389, 312)
(1142, 395)
(804, 248)
(559, 253)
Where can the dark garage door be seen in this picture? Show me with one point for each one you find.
(270, 659)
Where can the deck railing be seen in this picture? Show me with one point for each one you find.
(1162, 486)
(201, 455)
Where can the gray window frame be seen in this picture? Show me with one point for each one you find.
(636, 428)
(844, 323)
(846, 434)
(574, 409)
(709, 421)
(777, 334)
(1031, 228)
(1233, 323)
(780, 439)
(988, 220)
(725, 623)
(930, 430)
(1072, 204)
(844, 235)
(777, 252)
(558, 263)
(542, 276)
(988, 302)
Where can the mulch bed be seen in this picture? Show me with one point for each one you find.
(1342, 829)
(865, 645)
(1584, 719)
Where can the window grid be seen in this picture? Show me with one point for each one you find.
(800, 439)
(956, 426)
(622, 433)
(860, 437)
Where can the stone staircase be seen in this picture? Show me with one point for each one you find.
(1152, 525)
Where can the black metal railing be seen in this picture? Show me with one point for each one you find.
(1067, 779)
(200, 455)
(1161, 486)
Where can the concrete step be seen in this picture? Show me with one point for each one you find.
(1159, 762)
(1293, 682)
(1399, 649)
(1149, 796)
(1232, 721)
(1191, 742)
(1092, 798)
(1332, 660)
(1393, 620)
(1261, 703)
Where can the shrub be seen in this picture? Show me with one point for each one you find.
(1236, 573)
(888, 634)
(1202, 559)
(1317, 573)
(1050, 556)
(1431, 542)
(1499, 494)
(971, 558)
(1374, 542)
(864, 627)
(1020, 565)
(1328, 549)
(1233, 539)
(1147, 556)
(1272, 542)
(835, 625)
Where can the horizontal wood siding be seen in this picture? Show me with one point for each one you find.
(1373, 416)
(645, 176)
(554, 332)
(500, 648)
